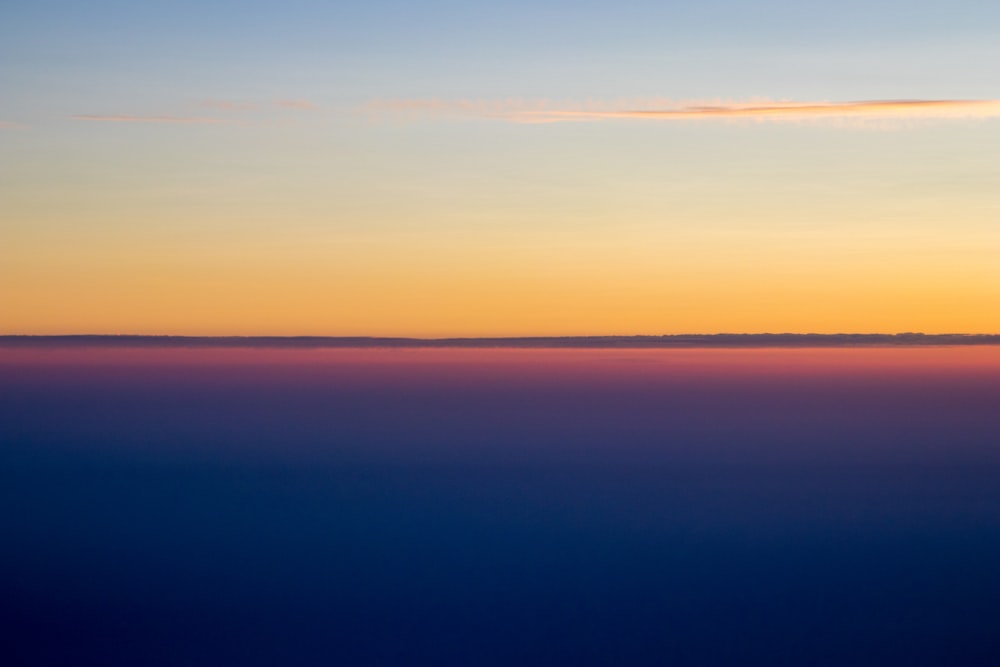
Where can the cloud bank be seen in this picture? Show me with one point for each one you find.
(722, 340)
(876, 113)
(543, 111)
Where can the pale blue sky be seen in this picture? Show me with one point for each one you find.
(99, 57)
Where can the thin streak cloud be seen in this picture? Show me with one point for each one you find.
(7, 125)
(544, 111)
(188, 120)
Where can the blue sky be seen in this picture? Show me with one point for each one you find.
(66, 57)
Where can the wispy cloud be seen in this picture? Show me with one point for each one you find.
(121, 118)
(302, 105)
(8, 125)
(544, 111)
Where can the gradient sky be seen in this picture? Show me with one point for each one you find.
(446, 168)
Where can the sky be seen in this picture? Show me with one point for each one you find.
(462, 169)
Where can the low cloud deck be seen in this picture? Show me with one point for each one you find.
(671, 341)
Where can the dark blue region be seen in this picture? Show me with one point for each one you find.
(262, 522)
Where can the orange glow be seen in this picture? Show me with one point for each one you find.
(388, 290)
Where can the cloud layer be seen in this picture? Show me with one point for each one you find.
(549, 112)
(546, 111)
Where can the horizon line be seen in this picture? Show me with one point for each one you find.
(722, 340)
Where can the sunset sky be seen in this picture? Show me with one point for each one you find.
(518, 168)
